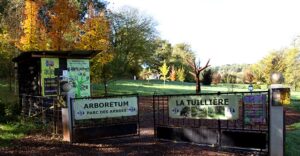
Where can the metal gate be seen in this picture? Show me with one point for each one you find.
(106, 126)
(248, 132)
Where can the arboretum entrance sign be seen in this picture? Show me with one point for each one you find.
(104, 117)
(105, 108)
(222, 120)
(223, 107)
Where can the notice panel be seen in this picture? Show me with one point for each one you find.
(104, 108)
(255, 108)
(224, 107)
(49, 84)
(79, 75)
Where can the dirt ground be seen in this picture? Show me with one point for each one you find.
(38, 144)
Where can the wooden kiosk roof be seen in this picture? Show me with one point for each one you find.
(56, 54)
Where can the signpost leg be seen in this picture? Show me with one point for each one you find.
(67, 119)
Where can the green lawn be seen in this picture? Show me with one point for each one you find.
(293, 140)
(157, 87)
(16, 130)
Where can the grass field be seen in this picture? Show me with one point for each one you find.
(157, 87)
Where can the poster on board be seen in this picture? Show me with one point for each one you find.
(255, 108)
(105, 108)
(48, 78)
(281, 96)
(79, 76)
(223, 107)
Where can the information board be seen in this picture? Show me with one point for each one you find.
(48, 78)
(79, 76)
(255, 108)
(223, 107)
(105, 107)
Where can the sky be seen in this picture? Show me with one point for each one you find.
(225, 31)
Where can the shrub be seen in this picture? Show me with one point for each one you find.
(9, 111)
(207, 77)
(256, 86)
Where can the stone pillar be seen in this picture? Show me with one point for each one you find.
(276, 125)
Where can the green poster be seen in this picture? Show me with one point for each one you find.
(79, 76)
(105, 108)
(223, 107)
(48, 78)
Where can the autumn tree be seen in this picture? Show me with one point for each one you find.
(196, 71)
(33, 36)
(164, 70)
(173, 74)
(145, 74)
(181, 74)
(216, 78)
(274, 62)
(292, 61)
(258, 72)
(248, 76)
(63, 15)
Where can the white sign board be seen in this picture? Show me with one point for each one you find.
(105, 108)
(223, 107)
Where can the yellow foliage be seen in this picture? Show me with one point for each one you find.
(62, 15)
(29, 40)
(96, 34)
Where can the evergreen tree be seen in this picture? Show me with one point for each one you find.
(207, 77)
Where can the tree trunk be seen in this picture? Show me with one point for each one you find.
(198, 85)
(10, 76)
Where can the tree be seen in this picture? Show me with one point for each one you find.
(100, 69)
(164, 70)
(181, 74)
(145, 74)
(7, 53)
(61, 13)
(207, 77)
(95, 30)
(248, 77)
(229, 78)
(13, 17)
(257, 70)
(196, 71)
(162, 53)
(274, 62)
(216, 78)
(133, 40)
(173, 74)
(292, 61)
(33, 37)
(180, 54)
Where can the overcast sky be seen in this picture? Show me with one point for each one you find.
(227, 31)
